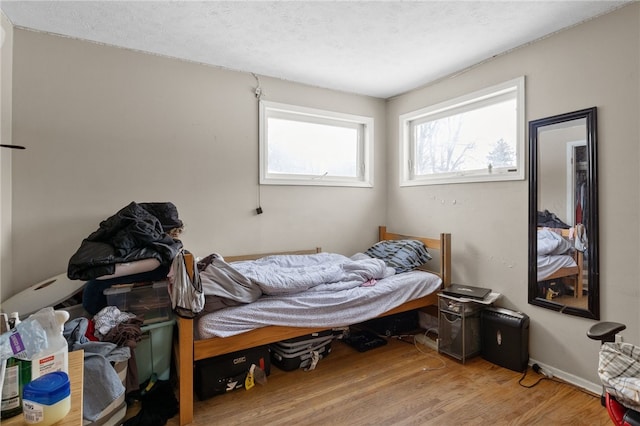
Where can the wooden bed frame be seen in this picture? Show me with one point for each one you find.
(570, 272)
(187, 350)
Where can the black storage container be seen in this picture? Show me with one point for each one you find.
(394, 325)
(224, 373)
(505, 338)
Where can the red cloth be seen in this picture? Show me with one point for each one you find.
(579, 213)
(89, 334)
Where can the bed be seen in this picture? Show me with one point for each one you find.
(188, 348)
(558, 259)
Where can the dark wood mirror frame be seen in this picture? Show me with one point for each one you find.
(535, 126)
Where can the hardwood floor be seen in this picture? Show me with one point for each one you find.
(398, 384)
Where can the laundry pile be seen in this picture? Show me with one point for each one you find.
(134, 246)
(108, 339)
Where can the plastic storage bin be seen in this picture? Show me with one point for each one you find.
(153, 352)
(152, 302)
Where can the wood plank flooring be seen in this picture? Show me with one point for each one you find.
(401, 384)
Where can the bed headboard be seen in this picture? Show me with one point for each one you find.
(442, 244)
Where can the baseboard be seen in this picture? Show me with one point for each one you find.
(595, 388)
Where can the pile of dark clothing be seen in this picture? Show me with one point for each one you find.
(140, 233)
(158, 404)
(137, 231)
(550, 220)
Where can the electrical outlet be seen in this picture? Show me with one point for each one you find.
(618, 338)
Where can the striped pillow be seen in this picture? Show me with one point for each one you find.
(402, 255)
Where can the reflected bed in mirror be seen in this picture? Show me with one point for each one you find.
(563, 219)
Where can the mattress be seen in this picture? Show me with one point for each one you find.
(547, 265)
(319, 308)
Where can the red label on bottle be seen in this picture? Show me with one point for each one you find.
(46, 359)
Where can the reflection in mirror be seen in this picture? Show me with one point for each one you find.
(563, 227)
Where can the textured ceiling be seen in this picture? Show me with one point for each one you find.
(379, 48)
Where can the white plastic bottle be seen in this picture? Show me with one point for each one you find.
(56, 356)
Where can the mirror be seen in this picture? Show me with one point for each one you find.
(563, 214)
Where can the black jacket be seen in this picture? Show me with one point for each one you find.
(138, 231)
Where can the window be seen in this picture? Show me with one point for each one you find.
(475, 138)
(305, 146)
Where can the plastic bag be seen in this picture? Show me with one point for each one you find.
(26, 340)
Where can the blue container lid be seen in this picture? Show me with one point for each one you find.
(48, 389)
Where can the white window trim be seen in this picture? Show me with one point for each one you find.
(365, 179)
(489, 93)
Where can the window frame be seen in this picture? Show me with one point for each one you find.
(365, 143)
(487, 96)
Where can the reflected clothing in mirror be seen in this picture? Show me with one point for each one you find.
(550, 220)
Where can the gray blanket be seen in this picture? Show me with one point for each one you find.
(247, 281)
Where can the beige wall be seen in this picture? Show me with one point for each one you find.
(594, 64)
(106, 126)
(6, 61)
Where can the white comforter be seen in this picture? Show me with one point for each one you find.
(552, 243)
(554, 252)
(289, 274)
